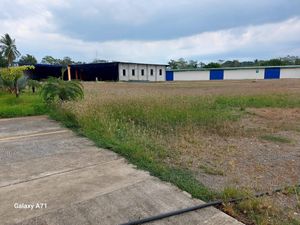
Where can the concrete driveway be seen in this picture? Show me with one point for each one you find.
(50, 176)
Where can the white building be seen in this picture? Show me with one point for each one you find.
(237, 73)
(141, 72)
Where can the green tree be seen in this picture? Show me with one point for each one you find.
(27, 60)
(183, 64)
(58, 89)
(273, 62)
(212, 65)
(66, 61)
(8, 49)
(50, 60)
(12, 76)
(3, 61)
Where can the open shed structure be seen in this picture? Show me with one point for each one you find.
(44, 71)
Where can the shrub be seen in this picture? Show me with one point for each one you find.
(13, 79)
(33, 84)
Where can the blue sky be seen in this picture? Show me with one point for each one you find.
(153, 30)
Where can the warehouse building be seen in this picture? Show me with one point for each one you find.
(126, 71)
(117, 71)
(237, 73)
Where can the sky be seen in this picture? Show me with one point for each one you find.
(153, 31)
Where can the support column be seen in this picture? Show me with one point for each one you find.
(69, 72)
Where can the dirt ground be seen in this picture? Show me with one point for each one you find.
(246, 87)
(253, 159)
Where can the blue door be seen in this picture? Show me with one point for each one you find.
(169, 75)
(216, 75)
(272, 73)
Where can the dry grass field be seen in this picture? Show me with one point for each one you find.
(242, 136)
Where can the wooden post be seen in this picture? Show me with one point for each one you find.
(69, 72)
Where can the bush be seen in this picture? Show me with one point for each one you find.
(13, 79)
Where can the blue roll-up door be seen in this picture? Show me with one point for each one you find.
(272, 73)
(216, 75)
(169, 75)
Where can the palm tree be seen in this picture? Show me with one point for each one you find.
(58, 89)
(8, 49)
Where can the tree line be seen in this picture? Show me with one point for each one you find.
(9, 53)
(193, 64)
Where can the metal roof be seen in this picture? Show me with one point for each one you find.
(116, 62)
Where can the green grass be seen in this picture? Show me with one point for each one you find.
(277, 139)
(26, 105)
(139, 128)
(211, 171)
(137, 149)
(259, 101)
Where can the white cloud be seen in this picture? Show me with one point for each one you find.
(37, 33)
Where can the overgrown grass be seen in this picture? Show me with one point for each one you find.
(259, 101)
(26, 105)
(258, 210)
(139, 128)
(135, 147)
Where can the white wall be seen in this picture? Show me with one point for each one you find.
(244, 74)
(128, 67)
(161, 77)
(145, 76)
(151, 77)
(136, 74)
(121, 68)
(191, 75)
(290, 73)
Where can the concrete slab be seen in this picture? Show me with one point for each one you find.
(44, 163)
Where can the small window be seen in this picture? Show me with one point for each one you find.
(151, 72)
(142, 72)
(133, 72)
(124, 72)
(160, 72)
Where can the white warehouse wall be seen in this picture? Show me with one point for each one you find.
(135, 76)
(244, 74)
(121, 68)
(162, 76)
(145, 76)
(128, 67)
(191, 75)
(290, 73)
(153, 76)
